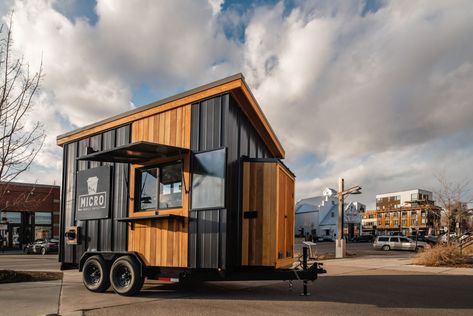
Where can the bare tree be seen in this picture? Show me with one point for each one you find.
(453, 198)
(20, 141)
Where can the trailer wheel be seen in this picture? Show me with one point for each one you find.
(95, 274)
(125, 276)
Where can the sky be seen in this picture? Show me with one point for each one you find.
(377, 92)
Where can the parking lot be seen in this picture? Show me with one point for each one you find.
(366, 283)
(327, 250)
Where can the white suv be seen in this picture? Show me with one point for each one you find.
(398, 243)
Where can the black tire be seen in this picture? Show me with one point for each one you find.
(95, 274)
(386, 248)
(43, 251)
(125, 276)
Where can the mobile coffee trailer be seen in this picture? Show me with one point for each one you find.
(187, 188)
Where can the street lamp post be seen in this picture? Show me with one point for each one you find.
(340, 246)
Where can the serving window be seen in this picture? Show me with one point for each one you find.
(159, 187)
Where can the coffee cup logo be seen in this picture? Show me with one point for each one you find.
(92, 183)
(93, 193)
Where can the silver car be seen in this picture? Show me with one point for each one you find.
(387, 243)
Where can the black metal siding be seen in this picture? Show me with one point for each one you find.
(214, 235)
(207, 228)
(104, 234)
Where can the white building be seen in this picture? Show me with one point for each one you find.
(401, 199)
(318, 215)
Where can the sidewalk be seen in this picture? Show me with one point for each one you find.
(351, 265)
(75, 298)
(30, 298)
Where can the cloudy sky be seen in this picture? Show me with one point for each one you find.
(378, 92)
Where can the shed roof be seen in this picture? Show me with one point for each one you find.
(234, 84)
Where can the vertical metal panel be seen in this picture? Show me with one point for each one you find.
(93, 226)
(252, 143)
(207, 123)
(192, 246)
(195, 126)
(63, 203)
(82, 165)
(106, 225)
(208, 238)
(233, 153)
(205, 238)
(223, 238)
(68, 195)
(202, 126)
(121, 194)
(244, 143)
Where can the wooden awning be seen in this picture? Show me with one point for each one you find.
(138, 152)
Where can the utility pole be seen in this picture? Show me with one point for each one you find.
(340, 245)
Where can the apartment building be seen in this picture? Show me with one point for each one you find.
(406, 212)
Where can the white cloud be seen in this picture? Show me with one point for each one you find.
(379, 98)
(384, 86)
(216, 6)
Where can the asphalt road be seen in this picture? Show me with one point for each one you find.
(367, 283)
(21, 262)
(351, 287)
(353, 250)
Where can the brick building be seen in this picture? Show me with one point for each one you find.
(28, 212)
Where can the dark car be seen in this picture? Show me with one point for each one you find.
(364, 238)
(42, 246)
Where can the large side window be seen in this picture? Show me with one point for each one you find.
(208, 179)
(160, 187)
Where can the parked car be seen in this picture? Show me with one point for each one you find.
(387, 243)
(42, 246)
(431, 239)
(465, 236)
(364, 238)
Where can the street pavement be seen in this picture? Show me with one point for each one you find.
(23, 262)
(29, 298)
(370, 283)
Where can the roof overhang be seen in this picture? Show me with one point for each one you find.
(235, 85)
(138, 152)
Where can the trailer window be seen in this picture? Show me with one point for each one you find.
(160, 187)
(208, 179)
(170, 184)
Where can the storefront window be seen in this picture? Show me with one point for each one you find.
(42, 218)
(160, 187)
(11, 217)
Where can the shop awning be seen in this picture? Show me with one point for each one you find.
(138, 152)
